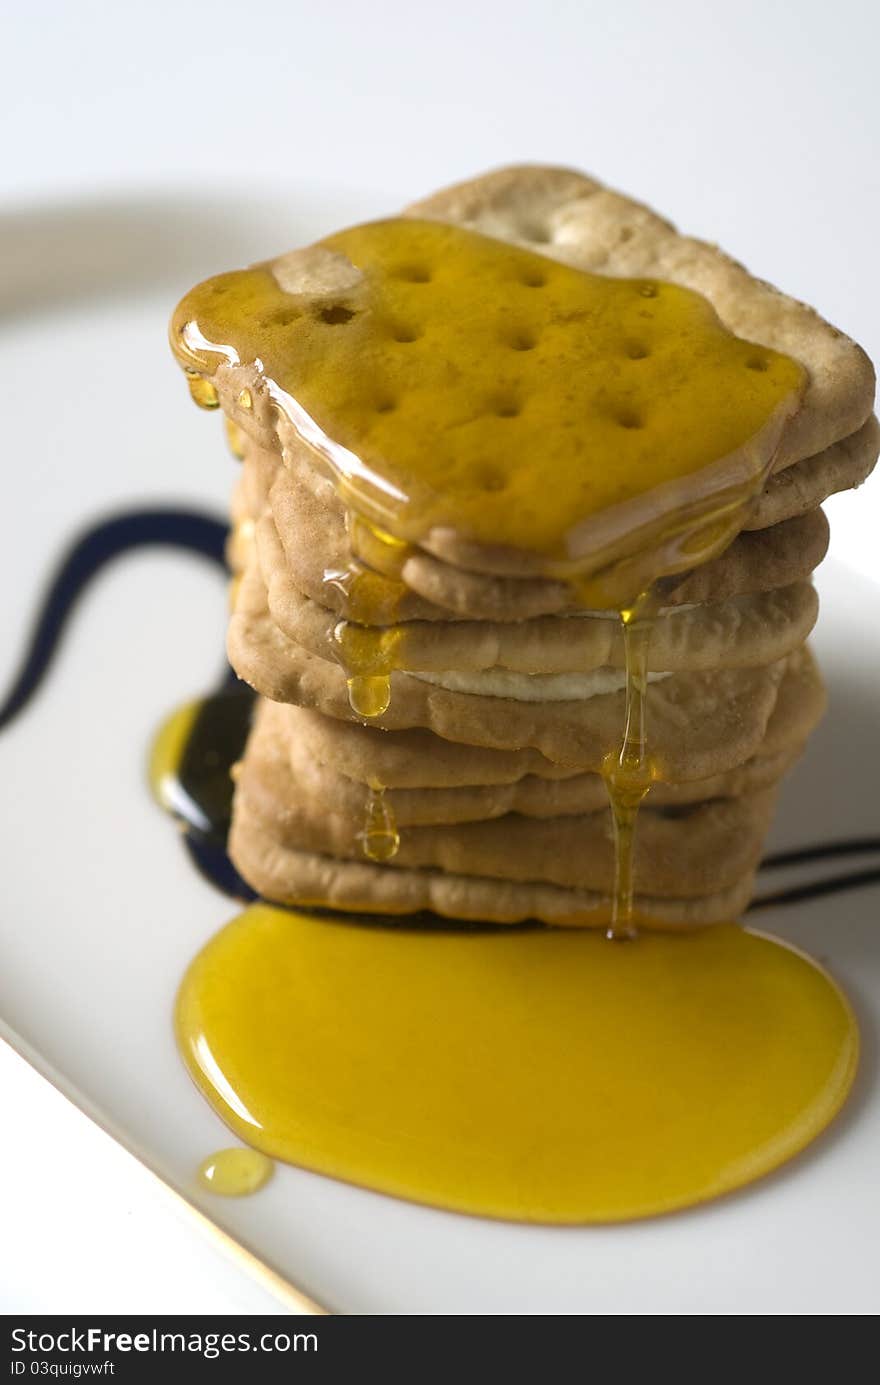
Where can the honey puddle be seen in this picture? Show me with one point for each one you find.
(481, 405)
(538, 1075)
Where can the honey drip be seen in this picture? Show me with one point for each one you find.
(628, 771)
(203, 392)
(380, 838)
(369, 644)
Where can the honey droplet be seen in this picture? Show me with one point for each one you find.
(203, 392)
(245, 400)
(235, 438)
(369, 696)
(380, 838)
(235, 1172)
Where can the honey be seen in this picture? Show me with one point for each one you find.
(380, 838)
(536, 1075)
(628, 772)
(191, 758)
(462, 383)
(203, 392)
(235, 1172)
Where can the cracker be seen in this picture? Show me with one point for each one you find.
(418, 760)
(701, 723)
(573, 218)
(307, 879)
(690, 850)
(842, 466)
(530, 796)
(742, 632)
(310, 522)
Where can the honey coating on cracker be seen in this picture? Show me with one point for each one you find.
(463, 383)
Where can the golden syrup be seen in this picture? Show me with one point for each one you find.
(461, 383)
(235, 1172)
(167, 751)
(369, 645)
(235, 438)
(380, 838)
(369, 695)
(190, 760)
(203, 392)
(368, 654)
(536, 1075)
(628, 772)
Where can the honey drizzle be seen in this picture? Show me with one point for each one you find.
(628, 771)
(380, 838)
(369, 644)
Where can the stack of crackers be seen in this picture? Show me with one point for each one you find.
(491, 748)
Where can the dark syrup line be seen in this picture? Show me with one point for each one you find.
(829, 884)
(192, 531)
(834, 884)
(851, 846)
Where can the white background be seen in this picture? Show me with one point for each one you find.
(753, 124)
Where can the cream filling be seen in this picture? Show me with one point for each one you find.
(533, 687)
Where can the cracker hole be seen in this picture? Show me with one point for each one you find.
(629, 418)
(386, 405)
(637, 351)
(758, 363)
(626, 233)
(336, 314)
(405, 334)
(414, 274)
(283, 318)
(491, 478)
(506, 408)
(533, 279)
(522, 341)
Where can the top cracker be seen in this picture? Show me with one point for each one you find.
(483, 400)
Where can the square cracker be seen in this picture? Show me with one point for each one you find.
(567, 216)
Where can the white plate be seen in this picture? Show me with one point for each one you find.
(102, 911)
